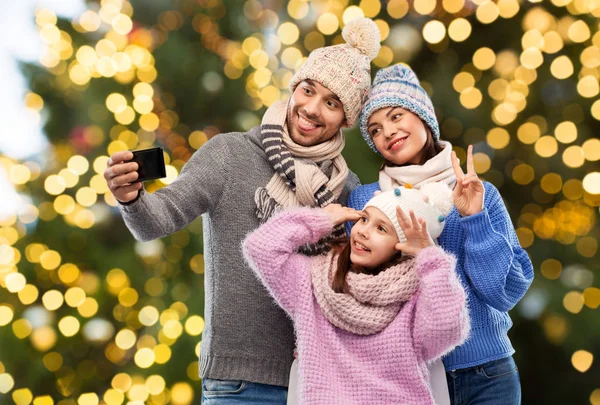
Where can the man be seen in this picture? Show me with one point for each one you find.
(238, 180)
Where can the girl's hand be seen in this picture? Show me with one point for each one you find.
(339, 214)
(469, 191)
(415, 231)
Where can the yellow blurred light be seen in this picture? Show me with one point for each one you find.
(54, 185)
(562, 67)
(484, 58)
(15, 282)
(498, 138)
(43, 338)
(155, 384)
(68, 273)
(138, 393)
(591, 183)
(148, 316)
(370, 7)
(566, 132)
(122, 62)
(551, 269)
(125, 117)
(172, 174)
(573, 156)
(328, 23)
(197, 139)
(546, 146)
(182, 394)
(50, 259)
(532, 39)
(69, 326)
(573, 302)
(551, 183)
(79, 74)
(121, 382)
(523, 174)
(125, 339)
(22, 396)
(250, 45)
(487, 12)
(147, 74)
(573, 189)
(50, 34)
(89, 398)
(122, 24)
(553, 42)
(113, 397)
(19, 174)
(70, 177)
(424, 7)
(105, 48)
(21, 328)
(398, 8)
(28, 294)
(588, 247)
(6, 315)
(262, 77)
(149, 122)
(525, 236)
(532, 58)
(506, 63)
(385, 57)
(78, 164)
(508, 8)
(434, 32)
(90, 21)
(288, 33)
(52, 300)
(107, 67)
(88, 308)
(74, 297)
(591, 149)
(595, 110)
(582, 360)
(53, 361)
(504, 114)
(298, 9)
(459, 30)
(162, 353)
(590, 57)
(128, 297)
(290, 57)
(173, 329)
(98, 184)
(45, 16)
(194, 325)
(144, 358)
(588, 86)
(34, 101)
(591, 295)
(463, 81)
(471, 98)
(579, 32)
(352, 13)
(143, 104)
(116, 103)
(259, 59)
(528, 133)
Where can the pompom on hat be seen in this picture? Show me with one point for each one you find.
(398, 86)
(345, 69)
(432, 202)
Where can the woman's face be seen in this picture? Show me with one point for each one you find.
(372, 239)
(398, 134)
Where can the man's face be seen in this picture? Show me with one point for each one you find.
(315, 114)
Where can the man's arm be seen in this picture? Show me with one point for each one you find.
(198, 189)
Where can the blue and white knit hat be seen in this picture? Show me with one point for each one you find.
(398, 86)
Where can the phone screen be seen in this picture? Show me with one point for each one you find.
(151, 163)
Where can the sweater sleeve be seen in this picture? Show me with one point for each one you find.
(198, 189)
(271, 251)
(496, 265)
(441, 319)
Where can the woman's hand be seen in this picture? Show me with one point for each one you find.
(415, 231)
(339, 214)
(469, 191)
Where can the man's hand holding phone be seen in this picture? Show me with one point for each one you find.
(126, 170)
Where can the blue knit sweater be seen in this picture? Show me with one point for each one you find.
(493, 267)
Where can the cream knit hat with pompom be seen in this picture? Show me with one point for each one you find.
(345, 69)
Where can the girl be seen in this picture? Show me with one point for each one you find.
(372, 313)
(398, 122)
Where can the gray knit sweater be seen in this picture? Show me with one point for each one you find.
(247, 336)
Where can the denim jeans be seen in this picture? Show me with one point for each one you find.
(493, 383)
(229, 392)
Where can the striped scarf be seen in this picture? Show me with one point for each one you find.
(311, 176)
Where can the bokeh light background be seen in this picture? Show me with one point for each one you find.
(88, 316)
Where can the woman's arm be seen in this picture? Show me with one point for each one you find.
(441, 319)
(496, 265)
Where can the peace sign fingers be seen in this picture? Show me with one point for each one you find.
(470, 164)
(456, 166)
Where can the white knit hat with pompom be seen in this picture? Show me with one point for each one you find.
(432, 202)
(345, 69)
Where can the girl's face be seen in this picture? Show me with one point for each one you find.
(398, 134)
(372, 239)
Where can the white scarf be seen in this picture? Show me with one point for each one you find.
(438, 168)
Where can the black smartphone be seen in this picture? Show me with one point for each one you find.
(151, 163)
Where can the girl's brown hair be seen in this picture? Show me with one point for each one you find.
(345, 265)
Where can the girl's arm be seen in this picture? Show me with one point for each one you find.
(496, 265)
(441, 319)
(271, 252)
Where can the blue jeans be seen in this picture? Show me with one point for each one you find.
(492, 383)
(226, 392)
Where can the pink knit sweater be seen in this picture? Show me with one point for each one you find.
(338, 367)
